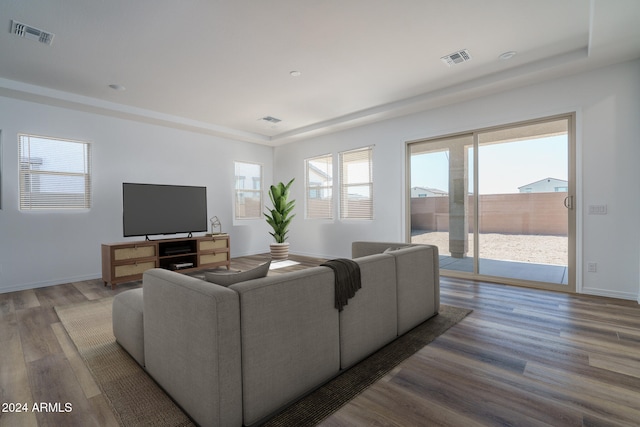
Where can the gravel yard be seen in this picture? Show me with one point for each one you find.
(507, 247)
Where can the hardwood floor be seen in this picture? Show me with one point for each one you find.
(523, 357)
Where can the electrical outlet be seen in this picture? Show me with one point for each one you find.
(592, 267)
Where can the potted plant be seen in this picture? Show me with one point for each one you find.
(279, 218)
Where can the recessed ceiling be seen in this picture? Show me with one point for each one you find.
(217, 66)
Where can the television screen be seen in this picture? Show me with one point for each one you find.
(163, 209)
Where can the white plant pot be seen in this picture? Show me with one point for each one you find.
(279, 251)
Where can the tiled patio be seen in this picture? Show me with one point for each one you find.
(548, 273)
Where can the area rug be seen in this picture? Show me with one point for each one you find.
(137, 400)
(134, 397)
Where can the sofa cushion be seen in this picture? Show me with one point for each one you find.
(290, 338)
(418, 283)
(370, 320)
(229, 278)
(393, 249)
(362, 249)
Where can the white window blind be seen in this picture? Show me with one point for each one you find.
(319, 194)
(54, 173)
(248, 190)
(356, 183)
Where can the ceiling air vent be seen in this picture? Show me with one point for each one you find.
(271, 119)
(456, 57)
(31, 33)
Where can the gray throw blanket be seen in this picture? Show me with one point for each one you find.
(347, 279)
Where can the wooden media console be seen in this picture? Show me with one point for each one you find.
(125, 262)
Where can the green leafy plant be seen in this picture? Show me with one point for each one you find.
(280, 216)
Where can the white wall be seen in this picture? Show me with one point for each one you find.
(45, 248)
(607, 104)
(39, 249)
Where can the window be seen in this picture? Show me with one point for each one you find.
(248, 190)
(356, 183)
(54, 173)
(319, 194)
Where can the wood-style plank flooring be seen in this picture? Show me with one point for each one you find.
(523, 357)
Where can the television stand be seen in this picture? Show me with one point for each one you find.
(146, 238)
(127, 261)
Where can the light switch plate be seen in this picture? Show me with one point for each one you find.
(597, 209)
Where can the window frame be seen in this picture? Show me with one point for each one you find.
(311, 213)
(30, 200)
(1, 169)
(344, 186)
(236, 191)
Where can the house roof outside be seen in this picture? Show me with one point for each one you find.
(427, 192)
(545, 185)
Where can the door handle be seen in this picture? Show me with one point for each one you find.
(568, 202)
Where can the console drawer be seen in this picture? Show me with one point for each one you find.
(209, 245)
(212, 258)
(134, 252)
(133, 269)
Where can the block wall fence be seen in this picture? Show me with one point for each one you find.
(521, 213)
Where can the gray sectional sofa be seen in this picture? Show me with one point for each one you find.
(236, 355)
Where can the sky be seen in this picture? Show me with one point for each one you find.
(502, 168)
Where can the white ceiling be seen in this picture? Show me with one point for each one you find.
(218, 66)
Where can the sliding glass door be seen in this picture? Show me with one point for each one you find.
(516, 183)
(441, 201)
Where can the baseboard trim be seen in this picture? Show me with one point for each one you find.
(36, 285)
(611, 294)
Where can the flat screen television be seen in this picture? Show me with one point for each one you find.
(149, 209)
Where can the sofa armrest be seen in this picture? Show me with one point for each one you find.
(192, 345)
